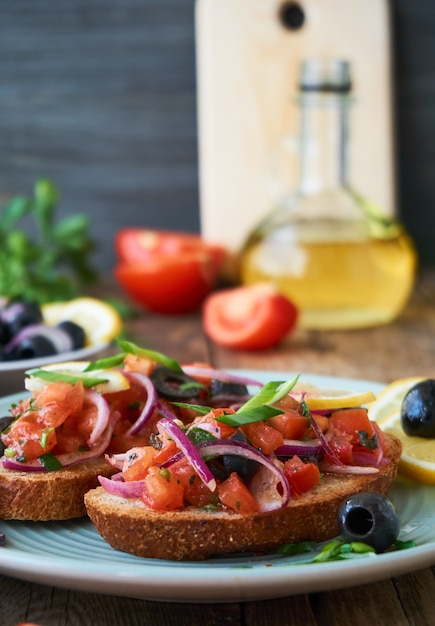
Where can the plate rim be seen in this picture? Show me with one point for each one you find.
(215, 580)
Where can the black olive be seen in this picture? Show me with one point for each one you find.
(220, 388)
(418, 410)
(76, 333)
(369, 518)
(245, 468)
(174, 385)
(18, 315)
(4, 423)
(31, 347)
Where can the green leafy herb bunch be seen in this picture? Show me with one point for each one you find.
(50, 264)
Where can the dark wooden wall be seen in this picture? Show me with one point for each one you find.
(100, 97)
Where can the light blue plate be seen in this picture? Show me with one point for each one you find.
(73, 555)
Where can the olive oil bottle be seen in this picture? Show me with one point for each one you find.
(342, 261)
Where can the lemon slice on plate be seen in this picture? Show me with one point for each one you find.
(100, 321)
(390, 399)
(418, 455)
(319, 398)
(114, 380)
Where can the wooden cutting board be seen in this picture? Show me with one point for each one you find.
(247, 71)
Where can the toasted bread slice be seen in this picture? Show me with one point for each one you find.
(44, 496)
(196, 534)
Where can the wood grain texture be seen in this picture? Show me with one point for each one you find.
(403, 348)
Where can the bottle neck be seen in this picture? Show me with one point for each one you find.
(323, 142)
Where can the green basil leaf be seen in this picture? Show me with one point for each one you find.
(158, 357)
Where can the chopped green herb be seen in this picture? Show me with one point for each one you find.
(270, 393)
(249, 416)
(54, 377)
(107, 363)
(371, 443)
(198, 408)
(199, 435)
(50, 462)
(163, 471)
(158, 357)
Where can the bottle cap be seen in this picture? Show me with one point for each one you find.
(331, 75)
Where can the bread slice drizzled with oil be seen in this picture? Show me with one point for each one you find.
(196, 534)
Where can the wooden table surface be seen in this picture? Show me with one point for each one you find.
(403, 348)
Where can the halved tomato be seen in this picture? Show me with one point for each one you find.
(166, 271)
(168, 284)
(138, 245)
(252, 317)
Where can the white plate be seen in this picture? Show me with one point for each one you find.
(12, 373)
(73, 555)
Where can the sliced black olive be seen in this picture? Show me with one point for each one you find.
(220, 388)
(245, 468)
(174, 385)
(18, 315)
(76, 333)
(31, 347)
(369, 518)
(418, 410)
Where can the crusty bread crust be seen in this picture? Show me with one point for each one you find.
(43, 496)
(196, 534)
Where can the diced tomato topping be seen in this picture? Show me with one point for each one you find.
(57, 401)
(121, 441)
(263, 437)
(138, 462)
(342, 449)
(292, 425)
(29, 438)
(236, 496)
(351, 422)
(168, 449)
(301, 476)
(162, 490)
(196, 492)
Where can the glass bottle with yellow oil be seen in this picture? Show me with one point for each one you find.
(332, 252)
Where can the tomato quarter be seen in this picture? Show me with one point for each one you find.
(249, 318)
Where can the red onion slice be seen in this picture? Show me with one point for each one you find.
(121, 488)
(324, 442)
(269, 486)
(333, 468)
(60, 339)
(150, 403)
(103, 414)
(311, 447)
(225, 377)
(116, 460)
(189, 450)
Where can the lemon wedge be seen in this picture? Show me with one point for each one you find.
(114, 380)
(418, 455)
(390, 399)
(100, 321)
(319, 398)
